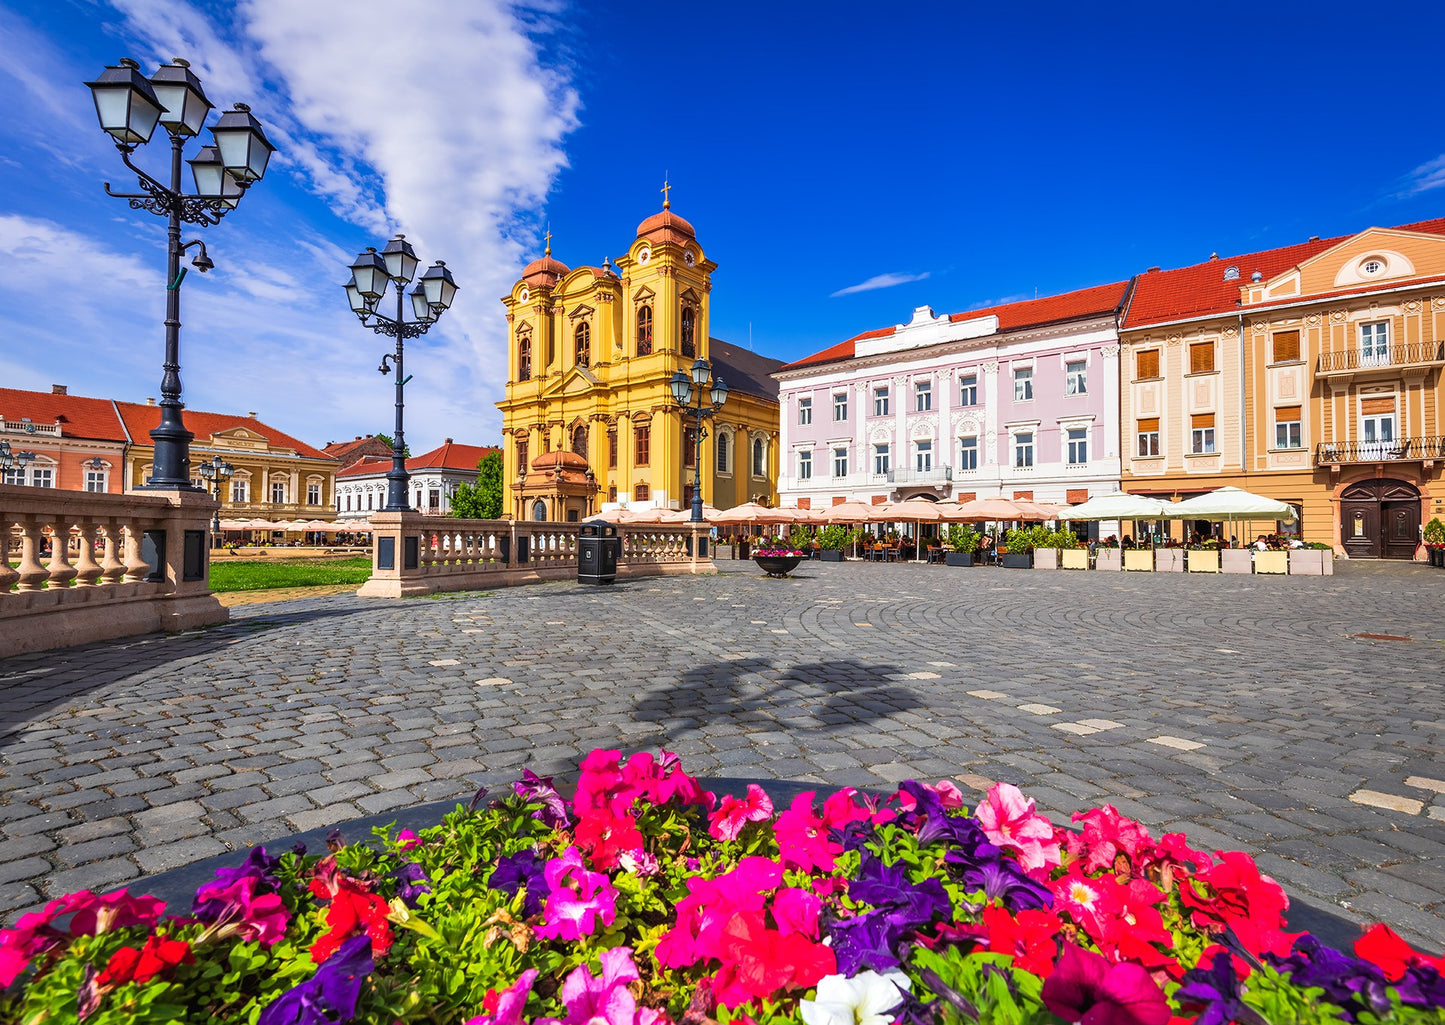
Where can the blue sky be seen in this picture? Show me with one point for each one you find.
(842, 162)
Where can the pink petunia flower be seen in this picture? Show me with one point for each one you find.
(1008, 819)
(578, 900)
(733, 813)
(408, 839)
(1105, 835)
(803, 837)
(605, 1000)
(505, 1008)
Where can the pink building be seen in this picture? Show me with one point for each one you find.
(1020, 400)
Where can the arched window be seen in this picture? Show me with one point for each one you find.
(760, 458)
(579, 438)
(644, 330)
(539, 510)
(689, 331)
(640, 493)
(724, 442)
(583, 336)
(524, 358)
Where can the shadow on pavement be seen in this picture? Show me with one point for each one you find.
(755, 692)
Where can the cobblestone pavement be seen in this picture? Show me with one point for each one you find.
(1246, 711)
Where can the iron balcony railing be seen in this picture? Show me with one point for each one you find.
(1403, 449)
(1402, 354)
(937, 475)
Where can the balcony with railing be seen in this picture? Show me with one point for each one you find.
(1400, 450)
(1400, 356)
(906, 475)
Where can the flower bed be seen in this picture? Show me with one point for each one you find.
(646, 901)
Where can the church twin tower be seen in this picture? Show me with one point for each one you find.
(589, 417)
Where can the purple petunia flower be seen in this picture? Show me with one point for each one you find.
(411, 883)
(539, 789)
(1214, 991)
(328, 996)
(523, 869)
(1005, 881)
(864, 942)
(258, 865)
(1352, 983)
(887, 887)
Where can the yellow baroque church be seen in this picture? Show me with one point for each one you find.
(589, 423)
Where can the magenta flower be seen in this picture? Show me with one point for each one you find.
(408, 839)
(237, 909)
(117, 910)
(578, 900)
(34, 934)
(803, 836)
(734, 813)
(600, 1001)
(1008, 819)
(797, 911)
(505, 1008)
(1086, 988)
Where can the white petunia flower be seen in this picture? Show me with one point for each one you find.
(865, 999)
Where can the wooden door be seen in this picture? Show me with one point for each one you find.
(1380, 519)
(1400, 528)
(1360, 527)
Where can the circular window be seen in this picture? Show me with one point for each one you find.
(522, 295)
(1372, 266)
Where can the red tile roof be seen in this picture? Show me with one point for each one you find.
(1087, 302)
(79, 417)
(448, 455)
(1161, 297)
(141, 419)
(342, 449)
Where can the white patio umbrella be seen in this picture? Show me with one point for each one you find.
(1231, 504)
(1119, 506)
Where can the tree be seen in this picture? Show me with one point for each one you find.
(386, 440)
(483, 500)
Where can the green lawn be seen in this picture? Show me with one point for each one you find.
(260, 576)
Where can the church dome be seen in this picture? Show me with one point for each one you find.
(566, 460)
(545, 271)
(666, 227)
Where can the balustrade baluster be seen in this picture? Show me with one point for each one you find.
(112, 569)
(7, 575)
(61, 571)
(136, 567)
(87, 569)
(31, 573)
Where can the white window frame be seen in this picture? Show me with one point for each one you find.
(760, 457)
(1289, 434)
(1148, 443)
(15, 476)
(1076, 377)
(805, 464)
(1378, 442)
(968, 390)
(1078, 447)
(313, 494)
(1201, 441)
(923, 456)
(42, 476)
(722, 449)
(922, 396)
(968, 452)
(840, 461)
(96, 481)
(882, 458)
(1023, 384)
(840, 406)
(279, 486)
(881, 401)
(1375, 343)
(240, 490)
(805, 411)
(1023, 450)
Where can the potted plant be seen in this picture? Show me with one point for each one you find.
(1018, 550)
(777, 561)
(1312, 559)
(1435, 542)
(1072, 553)
(964, 542)
(1046, 547)
(831, 542)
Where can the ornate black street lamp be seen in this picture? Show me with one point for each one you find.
(11, 460)
(216, 472)
(129, 106)
(432, 296)
(684, 389)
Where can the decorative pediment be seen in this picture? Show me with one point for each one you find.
(1376, 254)
(577, 381)
(643, 294)
(690, 295)
(581, 311)
(240, 437)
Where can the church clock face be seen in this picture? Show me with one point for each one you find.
(688, 258)
(644, 256)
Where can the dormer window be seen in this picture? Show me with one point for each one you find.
(1371, 267)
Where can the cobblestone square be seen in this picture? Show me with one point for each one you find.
(1248, 712)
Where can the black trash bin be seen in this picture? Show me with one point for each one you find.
(598, 549)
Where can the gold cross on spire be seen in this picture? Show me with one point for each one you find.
(548, 251)
(666, 203)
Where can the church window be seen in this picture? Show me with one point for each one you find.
(723, 443)
(579, 440)
(539, 510)
(641, 443)
(644, 330)
(641, 493)
(760, 458)
(689, 446)
(612, 448)
(521, 455)
(524, 358)
(612, 493)
(584, 345)
(689, 331)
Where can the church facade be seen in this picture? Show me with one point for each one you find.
(589, 423)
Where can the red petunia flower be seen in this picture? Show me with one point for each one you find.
(353, 909)
(1028, 939)
(158, 955)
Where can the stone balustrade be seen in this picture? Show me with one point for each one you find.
(416, 554)
(79, 566)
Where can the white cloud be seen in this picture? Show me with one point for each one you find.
(879, 281)
(436, 119)
(1429, 175)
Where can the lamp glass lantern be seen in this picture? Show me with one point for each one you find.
(244, 148)
(213, 181)
(179, 92)
(355, 299)
(420, 307)
(701, 368)
(370, 274)
(440, 288)
(719, 392)
(125, 103)
(400, 259)
(681, 389)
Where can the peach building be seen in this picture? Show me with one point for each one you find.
(1310, 374)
